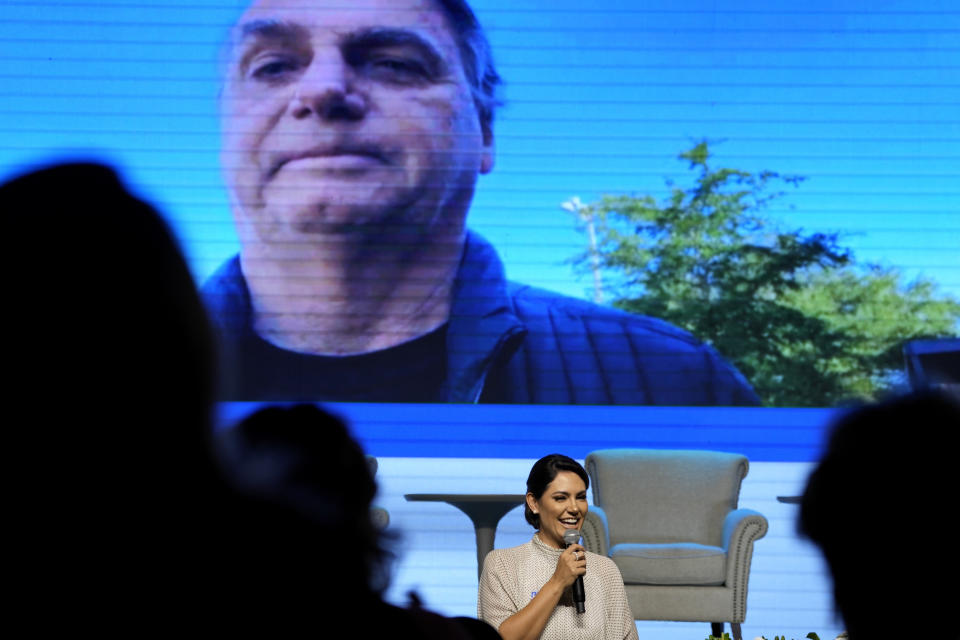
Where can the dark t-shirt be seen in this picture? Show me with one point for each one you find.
(413, 371)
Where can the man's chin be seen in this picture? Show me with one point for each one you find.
(357, 225)
(351, 215)
(322, 226)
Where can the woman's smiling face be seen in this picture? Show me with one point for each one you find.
(561, 507)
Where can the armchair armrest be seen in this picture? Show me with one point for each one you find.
(740, 529)
(596, 532)
(739, 523)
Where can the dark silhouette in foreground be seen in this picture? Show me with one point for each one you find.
(880, 505)
(110, 363)
(303, 460)
(122, 516)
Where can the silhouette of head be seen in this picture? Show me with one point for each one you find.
(105, 305)
(113, 364)
(879, 506)
(304, 461)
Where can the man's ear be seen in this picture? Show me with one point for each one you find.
(488, 154)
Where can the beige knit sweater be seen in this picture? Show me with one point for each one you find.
(511, 578)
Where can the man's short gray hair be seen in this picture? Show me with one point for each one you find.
(477, 58)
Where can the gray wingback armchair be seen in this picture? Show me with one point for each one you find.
(670, 522)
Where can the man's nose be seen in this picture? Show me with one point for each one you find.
(327, 90)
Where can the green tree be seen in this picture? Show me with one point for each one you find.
(877, 312)
(803, 322)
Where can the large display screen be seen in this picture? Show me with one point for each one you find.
(693, 203)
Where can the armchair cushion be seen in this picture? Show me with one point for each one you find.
(682, 563)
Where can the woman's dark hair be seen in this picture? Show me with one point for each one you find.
(542, 474)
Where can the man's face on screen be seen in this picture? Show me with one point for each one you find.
(339, 120)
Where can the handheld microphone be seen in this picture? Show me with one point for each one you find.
(572, 536)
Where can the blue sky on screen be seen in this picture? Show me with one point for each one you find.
(859, 97)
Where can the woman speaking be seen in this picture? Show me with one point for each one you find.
(526, 591)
